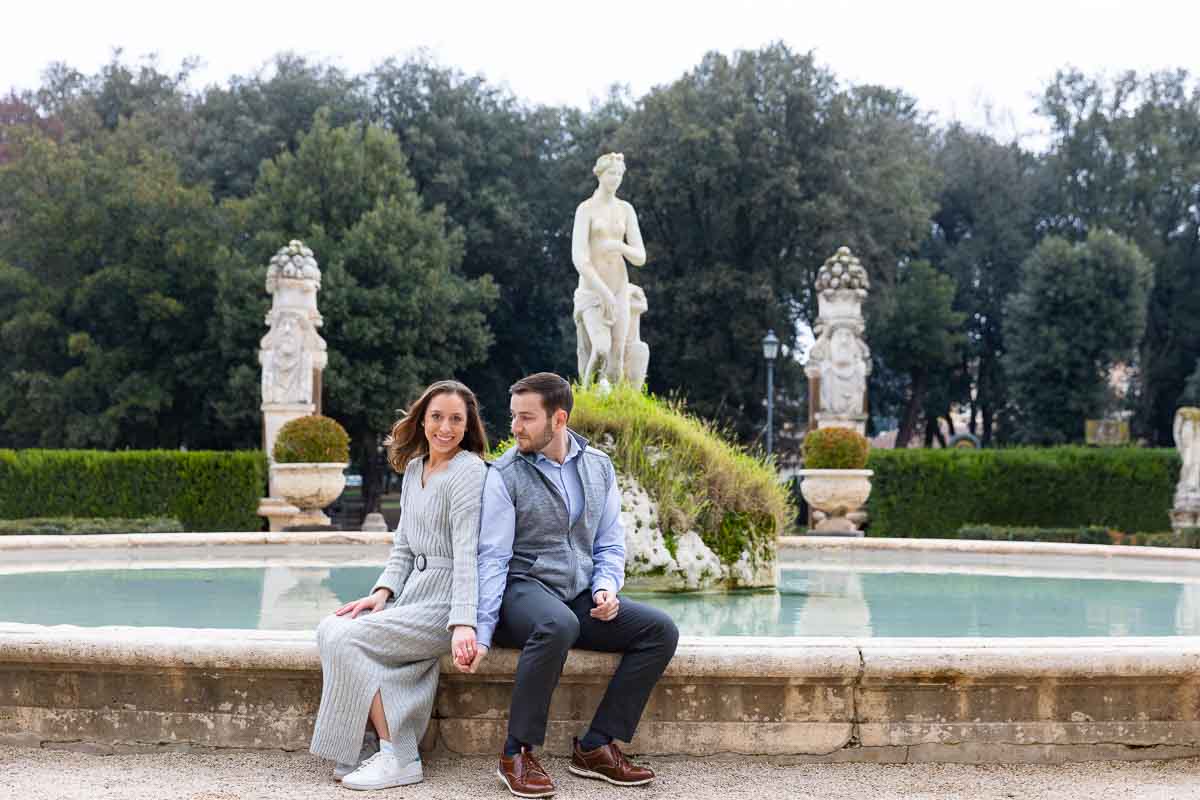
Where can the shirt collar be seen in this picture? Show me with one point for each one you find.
(573, 451)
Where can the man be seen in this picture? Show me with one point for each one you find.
(551, 563)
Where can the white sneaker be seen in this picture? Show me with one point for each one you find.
(370, 746)
(383, 771)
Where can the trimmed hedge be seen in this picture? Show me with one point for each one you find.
(934, 493)
(72, 525)
(1092, 534)
(1188, 537)
(206, 491)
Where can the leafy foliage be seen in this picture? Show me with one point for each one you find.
(1125, 157)
(1079, 311)
(310, 439)
(835, 448)
(405, 314)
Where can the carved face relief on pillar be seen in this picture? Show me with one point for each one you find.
(287, 367)
(843, 373)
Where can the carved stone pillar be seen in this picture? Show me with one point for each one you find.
(1186, 510)
(840, 360)
(292, 355)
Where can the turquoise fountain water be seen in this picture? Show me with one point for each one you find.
(881, 595)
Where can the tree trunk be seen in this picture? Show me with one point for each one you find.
(370, 474)
(987, 427)
(916, 399)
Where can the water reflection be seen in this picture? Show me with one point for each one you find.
(810, 602)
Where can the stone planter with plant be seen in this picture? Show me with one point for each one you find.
(834, 480)
(310, 457)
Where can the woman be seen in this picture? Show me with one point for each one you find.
(379, 655)
(599, 248)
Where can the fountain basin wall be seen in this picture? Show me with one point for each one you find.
(114, 689)
(853, 698)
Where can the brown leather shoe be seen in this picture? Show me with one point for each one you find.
(608, 763)
(524, 776)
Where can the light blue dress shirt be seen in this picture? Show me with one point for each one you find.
(498, 529)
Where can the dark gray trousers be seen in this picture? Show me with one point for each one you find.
(545, 628)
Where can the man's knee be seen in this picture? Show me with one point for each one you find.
(556, 632)
(665, 632)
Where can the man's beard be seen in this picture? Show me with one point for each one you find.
(538, 443)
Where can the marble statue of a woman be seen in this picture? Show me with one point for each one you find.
(607, 305)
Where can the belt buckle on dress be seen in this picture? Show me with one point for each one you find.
(421, 562)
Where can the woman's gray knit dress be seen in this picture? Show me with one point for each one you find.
(434, 583)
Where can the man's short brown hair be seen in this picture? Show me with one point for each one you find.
(553, 389)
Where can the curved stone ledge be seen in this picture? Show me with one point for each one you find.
(987, 547)
(809, 698)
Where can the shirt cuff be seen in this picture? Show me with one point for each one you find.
(605, 584)
(483, 634)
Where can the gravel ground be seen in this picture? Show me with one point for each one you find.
(30, 774)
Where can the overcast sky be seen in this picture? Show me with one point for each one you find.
(956, 56)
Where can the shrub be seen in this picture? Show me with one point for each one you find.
(1091, 534)
(206, 491)
(835, 448)
(1188, 537)
(72, 525)
(699, 480)
(934, 493)
(312, 439)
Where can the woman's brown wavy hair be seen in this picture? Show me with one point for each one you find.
(407, 439)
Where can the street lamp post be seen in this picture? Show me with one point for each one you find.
(770, 348)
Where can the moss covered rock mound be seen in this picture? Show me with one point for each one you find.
(698, 510)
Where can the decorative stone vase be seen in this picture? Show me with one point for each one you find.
(310, 487)
(838, 493)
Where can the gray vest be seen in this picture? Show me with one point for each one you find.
(547, 548)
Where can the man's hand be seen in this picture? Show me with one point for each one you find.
(480, 652)
(372, 602)
(607, 604)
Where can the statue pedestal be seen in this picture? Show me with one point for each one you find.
(374, 522)
(279, 513)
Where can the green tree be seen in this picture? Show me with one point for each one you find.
(1126, 156)
(919, 335)
(258, 116)
(499, 169)
(400, 313)
(1080, 309)
(983, 230)
(106, 293)
(748, 172)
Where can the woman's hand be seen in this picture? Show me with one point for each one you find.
(372, 602)
(471, 664)
(463, 646)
